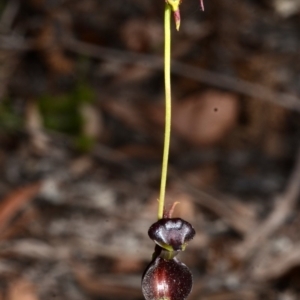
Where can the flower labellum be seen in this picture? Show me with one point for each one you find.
(167, 280)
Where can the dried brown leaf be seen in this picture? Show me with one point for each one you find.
(104, 285)
(127, 265)
(205, 119)
(16, 201)
(22, 289)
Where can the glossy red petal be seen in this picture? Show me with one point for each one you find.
(167, 280)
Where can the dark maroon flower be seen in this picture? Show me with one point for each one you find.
(167, 280)
(172, 234)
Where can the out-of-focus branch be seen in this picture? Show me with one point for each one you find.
(211, 78)
(284, 206)
(9, 14)
(237, 85)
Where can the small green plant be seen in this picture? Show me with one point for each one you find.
(62, 113)
(166, 278)
(10, 120)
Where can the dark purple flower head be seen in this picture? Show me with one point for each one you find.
(172, 234)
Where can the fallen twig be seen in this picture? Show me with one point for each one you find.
(218, 80)
(221, 209)
(283, 208)
(278, 266)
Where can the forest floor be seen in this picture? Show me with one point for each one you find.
(81, 132)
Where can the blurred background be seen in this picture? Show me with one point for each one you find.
(81, 136)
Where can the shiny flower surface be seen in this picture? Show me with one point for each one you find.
(167, 280)
(171, 234)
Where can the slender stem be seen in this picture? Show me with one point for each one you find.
(167, 71)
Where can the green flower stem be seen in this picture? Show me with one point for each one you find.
(167, 72)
